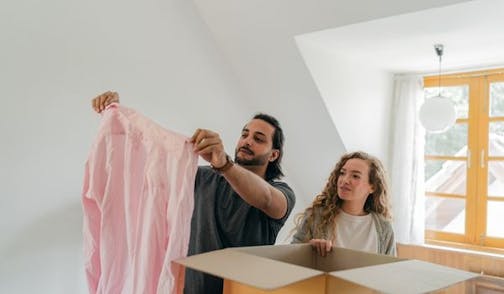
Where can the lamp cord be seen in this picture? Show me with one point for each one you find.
(439, 51)
(439, 77)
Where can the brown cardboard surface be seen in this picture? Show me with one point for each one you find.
(248, 269)
(406, 276)
(303, 255)
(293, 254)
(313, 285)
(295, 268)
(335, 285)
(316, 285)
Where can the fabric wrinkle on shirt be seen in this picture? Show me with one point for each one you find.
(138, 199)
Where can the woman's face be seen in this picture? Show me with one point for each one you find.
(353, 181)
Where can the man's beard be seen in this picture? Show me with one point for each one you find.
(258, 160)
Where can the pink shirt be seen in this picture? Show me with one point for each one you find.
(138, 202)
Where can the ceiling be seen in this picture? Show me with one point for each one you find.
(471, 33)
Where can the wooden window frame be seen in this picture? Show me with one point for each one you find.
(477, 159)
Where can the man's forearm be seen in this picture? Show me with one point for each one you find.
(256, 191)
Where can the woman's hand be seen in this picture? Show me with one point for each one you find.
(322, 246)
(102, 101)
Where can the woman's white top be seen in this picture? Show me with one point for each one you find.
(356, 232)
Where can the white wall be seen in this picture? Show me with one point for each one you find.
(357, 95)
(55, 56)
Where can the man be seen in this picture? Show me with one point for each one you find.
(239, 204)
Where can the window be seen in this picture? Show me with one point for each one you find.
(464, 166)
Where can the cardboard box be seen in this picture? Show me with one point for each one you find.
(299, 269)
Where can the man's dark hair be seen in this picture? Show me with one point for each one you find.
(274, 170)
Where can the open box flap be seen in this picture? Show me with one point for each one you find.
(240, 266)
(404, 277)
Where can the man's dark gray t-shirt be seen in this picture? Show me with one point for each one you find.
(222, 219)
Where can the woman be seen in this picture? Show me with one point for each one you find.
(352, 211)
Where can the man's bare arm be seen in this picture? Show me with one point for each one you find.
(252, 188)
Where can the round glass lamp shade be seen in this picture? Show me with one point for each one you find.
(437, 114)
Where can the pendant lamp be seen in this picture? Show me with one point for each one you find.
(438, 114)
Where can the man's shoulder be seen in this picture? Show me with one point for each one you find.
(282, 186)
(288, 193)
(279, 183)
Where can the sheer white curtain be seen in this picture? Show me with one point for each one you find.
(406, 175)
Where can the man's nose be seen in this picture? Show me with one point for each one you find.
(247, 142)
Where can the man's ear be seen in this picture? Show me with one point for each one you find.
(275, 153)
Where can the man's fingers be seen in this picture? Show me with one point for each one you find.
(194, 136)
(114, 97)
(203, 138)
(207, 145)
(204, 148)
(93, 103)
(101, 99)
(109, 96)
(108, 100)
(100, 102)
(208, 141)
(96, 102)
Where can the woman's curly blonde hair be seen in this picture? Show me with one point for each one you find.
(328, 203)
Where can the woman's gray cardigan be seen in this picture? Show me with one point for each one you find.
(384, 230)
